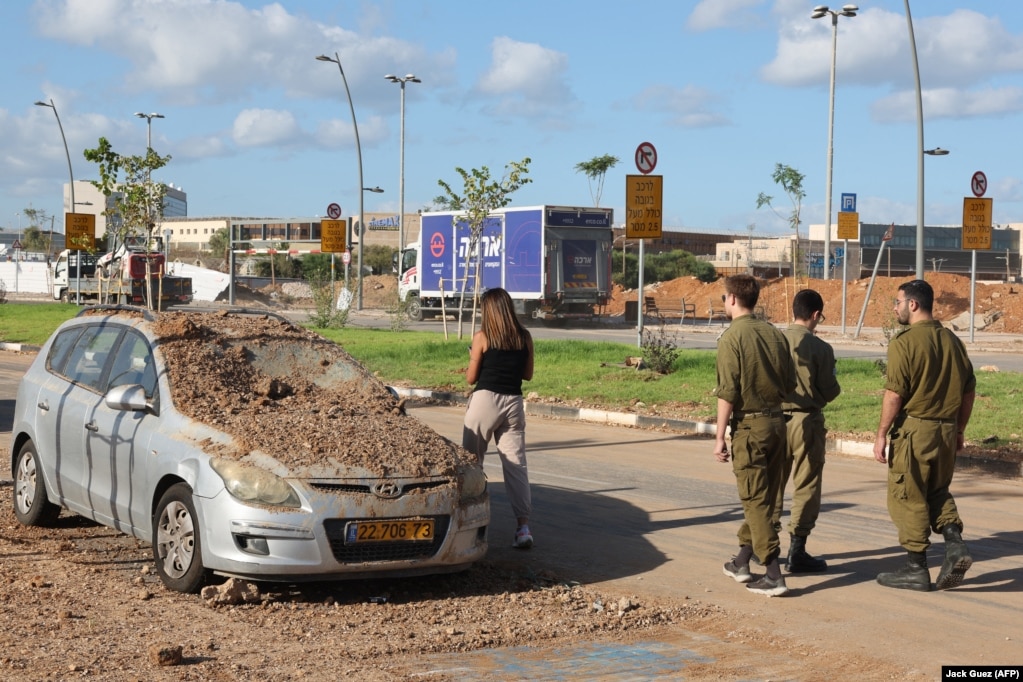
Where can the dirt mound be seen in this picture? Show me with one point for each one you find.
(285, 391)
(951, 299)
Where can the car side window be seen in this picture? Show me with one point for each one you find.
(88, 360)
(133, 364)
(61, 349)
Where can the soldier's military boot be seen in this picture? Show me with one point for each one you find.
(799, 561)
(913, 576)
(957, 559)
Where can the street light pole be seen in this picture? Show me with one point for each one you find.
(67, 153)
(149, 126)
(358, 153)
(71, 176)
(149, 180)
(409, 78)
(920, 151)
(819, 12)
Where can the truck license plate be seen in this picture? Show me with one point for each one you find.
(406, 530)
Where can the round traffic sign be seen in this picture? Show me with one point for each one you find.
(978, 184)
(346, 257)
(334, 211)
(646, 158)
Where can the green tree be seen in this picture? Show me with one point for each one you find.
(791, 182)
(378, 258)
(33, 237)
(596, 170)
(481, 196)
(663, 267)
(220, 244)
(138, 201)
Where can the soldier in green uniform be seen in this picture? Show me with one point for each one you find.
(928, 399)
(816, 386)
(754, 374)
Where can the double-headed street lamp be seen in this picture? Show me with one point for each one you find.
(819, 12)
(149, 180)
(409, 78)
(149, 126)
(358, 152)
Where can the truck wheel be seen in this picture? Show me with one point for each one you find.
(414, 309)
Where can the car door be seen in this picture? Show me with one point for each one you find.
(73, 397)
(117, 441)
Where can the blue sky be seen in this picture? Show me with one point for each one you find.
(724, 89)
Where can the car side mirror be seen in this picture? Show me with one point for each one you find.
(128, 397)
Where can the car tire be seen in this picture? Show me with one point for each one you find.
(177, 549)
(31, 505)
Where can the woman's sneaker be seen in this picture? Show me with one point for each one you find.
(523, 539)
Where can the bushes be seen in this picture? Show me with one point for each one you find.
(660, 267)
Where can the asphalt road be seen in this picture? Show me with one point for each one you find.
(653, 514)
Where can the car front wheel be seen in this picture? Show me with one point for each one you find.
(176, 546)
(31, 506)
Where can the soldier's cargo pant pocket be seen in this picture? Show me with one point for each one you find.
(898, 464)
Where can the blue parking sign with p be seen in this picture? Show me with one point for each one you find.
(848, 202)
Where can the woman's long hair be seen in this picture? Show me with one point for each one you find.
(502, 329)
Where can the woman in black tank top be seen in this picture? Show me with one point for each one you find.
(500, 359)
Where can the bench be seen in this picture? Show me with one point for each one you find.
(661, 311)
(716, 310)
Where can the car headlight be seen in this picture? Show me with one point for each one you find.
(472, 482)
(254, 485)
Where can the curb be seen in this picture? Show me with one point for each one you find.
(838, 446)
(18, 347)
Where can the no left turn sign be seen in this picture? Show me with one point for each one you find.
(646, 158)
(978, 184)
(334, 211)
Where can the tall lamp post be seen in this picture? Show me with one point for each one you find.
(920, 150)
(71, 175)
(409, 78)
(358, 153)
(149, 181)
(149, 126)
(819, 12)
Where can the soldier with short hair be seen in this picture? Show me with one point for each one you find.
(928, 399)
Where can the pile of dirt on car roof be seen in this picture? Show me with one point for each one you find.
(292, 394)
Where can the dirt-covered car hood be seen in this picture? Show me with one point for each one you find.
(284, 392)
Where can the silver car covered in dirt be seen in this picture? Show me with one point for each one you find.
(242, 445)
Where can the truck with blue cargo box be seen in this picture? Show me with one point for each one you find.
(554, 261)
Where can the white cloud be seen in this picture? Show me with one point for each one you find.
(264, 128)
(949, 103)
(529, 79)
(873, 48)
(688, 107)
(195, 51)
(712, 14)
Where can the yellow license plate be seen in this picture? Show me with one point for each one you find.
(411, 530)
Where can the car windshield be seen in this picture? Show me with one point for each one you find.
(287, 392)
